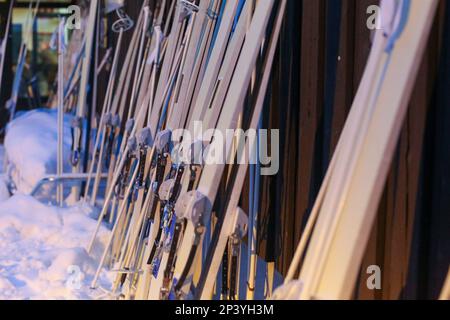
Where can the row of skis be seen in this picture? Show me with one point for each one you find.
(188, 62)
(175, 218)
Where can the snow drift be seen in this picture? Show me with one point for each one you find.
(31, 147)
(42, 251)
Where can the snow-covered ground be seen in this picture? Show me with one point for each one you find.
(42, 248)
(42, 251)
(31, 147)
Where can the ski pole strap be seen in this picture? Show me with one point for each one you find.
(180, 283)
(161, 163)
(169, 271)
(177, 186)
(143, 140)
(157, 239)
(109, 138)
(139, 183)
(190, 7)
(120, 192)
(152, 209)
(124, 22)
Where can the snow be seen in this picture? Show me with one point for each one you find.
(42, 251)
(31, 147)
(42, 248)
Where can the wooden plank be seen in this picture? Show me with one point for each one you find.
(311, 103)
(345, 86)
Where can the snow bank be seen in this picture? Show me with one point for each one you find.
(42, 251)
(31, 147)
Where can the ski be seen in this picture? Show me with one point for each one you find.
(229, 218)
(137, 229)
(133, 127)
(208, 186)
(166, 256)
